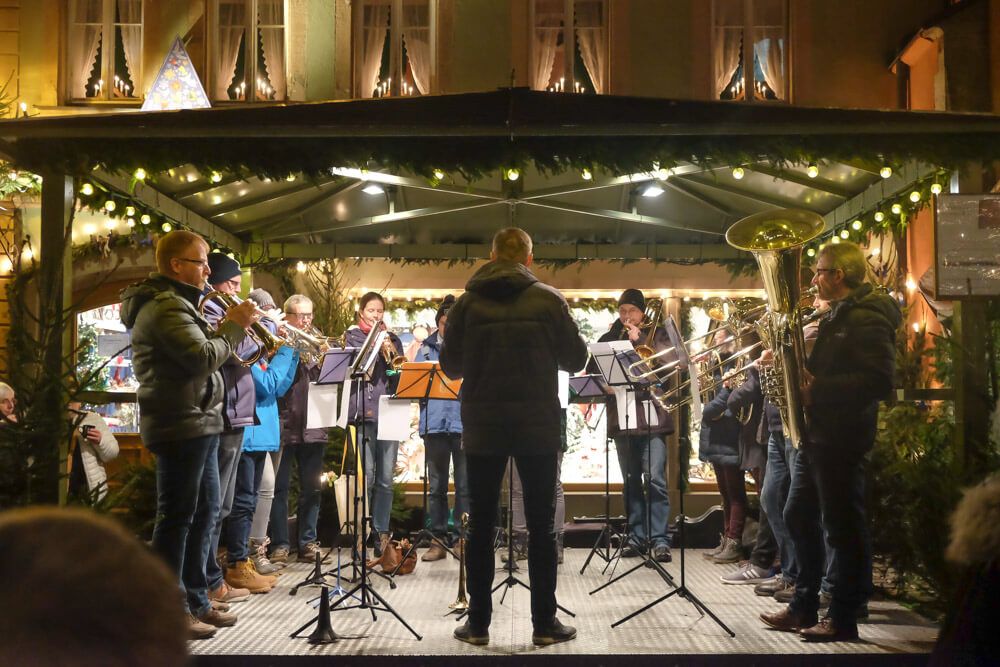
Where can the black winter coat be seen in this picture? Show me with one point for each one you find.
(294, 405)
(719, 439)
(854, 363)
(507, 337)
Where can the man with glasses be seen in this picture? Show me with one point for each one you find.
(849, 370)
(176, 356)
(306, 445)
(233, 584)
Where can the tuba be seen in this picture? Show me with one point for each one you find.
(775, 239)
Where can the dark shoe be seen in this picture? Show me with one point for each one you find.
(661, 554)
(219, 619)
(787, 620)
(554, 633)
(475, 636)
(785, 595)
(862, 612)
(828, 630)
(632, 551)
(732, 552)
(772, 586)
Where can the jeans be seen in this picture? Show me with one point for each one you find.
(780, 460)
(265, 497)
(187, 503)
(829, 483)
(309, 458)
(635, 460)
(248, 476)
(517, 502)
(380, 467)
(439, 450)
(230, 446)
(733, 489)
(486, 473)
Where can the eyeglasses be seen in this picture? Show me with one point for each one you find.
(302, 315)
(818, 271)
(201, 262)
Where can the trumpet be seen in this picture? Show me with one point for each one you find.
(311, 344)
(267, 343)
(392, 360)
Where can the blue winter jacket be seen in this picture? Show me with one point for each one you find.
(270, 384)
(437, 416)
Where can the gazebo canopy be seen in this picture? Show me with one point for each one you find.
(428, 177)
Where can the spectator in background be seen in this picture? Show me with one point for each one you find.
(8, 403)
(86, 593)
(93, 445)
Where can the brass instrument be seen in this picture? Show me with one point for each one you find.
(462, 602)
(311, 343)
(392, 360)
(775, 239)
(267, 343)
(650, 320)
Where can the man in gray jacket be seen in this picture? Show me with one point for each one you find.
(176, 357)
(507, 337)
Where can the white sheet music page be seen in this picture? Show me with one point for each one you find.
(321, 410)
(393, 419)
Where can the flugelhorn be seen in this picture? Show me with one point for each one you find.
(462, 602)
(267, 343)
(392, 360)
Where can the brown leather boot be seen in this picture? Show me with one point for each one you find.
(787, 620)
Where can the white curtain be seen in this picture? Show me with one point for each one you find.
(83, 44)
(375, 23)
(232, 23)
(271, 13)
(727, 40)
(769, 42)
(592, 38)
(130, 17)
(548, 27)
(417, 37)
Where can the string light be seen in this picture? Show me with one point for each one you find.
(812, 171)
(856, 225)
(86, 189)
(879, 216)
(130, 222)
(835, 240)
(216, 177)
(738, 173)
(896, 209)
(844, 234)
(130, 211)
(914, 196)
(811, 252)
(512, 174)
(438, 175)
(110, 205)
(586, 175)
(936, 188)
(885, 172)
(145, 219)
(140, 174)
(166, 226)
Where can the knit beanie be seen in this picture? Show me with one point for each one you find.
(223, 268)
(262, 298)
(443, 309)
(633, 297)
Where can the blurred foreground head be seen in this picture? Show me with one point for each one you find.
(79, 589)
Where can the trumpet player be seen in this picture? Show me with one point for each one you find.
(177, 355)
(640, 445)
(380, 456)
(849, 370)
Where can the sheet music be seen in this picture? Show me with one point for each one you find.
(611, 366)
(321, 410)
(345, 403)
(652, 417)
(393, 419)
(627, 414)
(563, 389)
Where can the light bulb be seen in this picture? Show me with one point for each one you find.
(513, 174)
(86, 189)
(879, 216)
(835, 240)
(856, 225)
(144, 218)
(130, 211)
(662, 174)
(914, 196)
(110, 205)
(300, 267)
(130, 222)
(885, 172)
(935, 188)
(166, 226)
(290, 178)
(140, 174)
(438, 175)
(896, 209)
(811, 252)
(844, 234)
(812, 171)
(586, 175)
(738, 173)
(215, 177)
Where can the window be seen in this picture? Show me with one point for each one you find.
(395, 42)
(750, 31)
(574, 60)
(105, 363)
(242, 69)
(104, 48)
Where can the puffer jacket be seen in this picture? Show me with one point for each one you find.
(719, 439)
(853, 362)
(93, 457)
(176, 357)
(508, 336)
(664, 420)
(270, 384)
(437, 416)
(381, 383)
(240, 397)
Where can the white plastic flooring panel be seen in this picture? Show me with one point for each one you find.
(672, 627)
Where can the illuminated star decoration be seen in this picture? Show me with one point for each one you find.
(177, 86)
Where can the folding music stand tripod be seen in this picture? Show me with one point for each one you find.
(366, 595)
(612, 364)
(423, 380)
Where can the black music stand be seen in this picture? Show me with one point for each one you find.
(593, 389)
(613, 365)
(361, 370)
(681, 590)
(424, 380)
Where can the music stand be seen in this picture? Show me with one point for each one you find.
(593, 389)
(612, 360)
(424, 380)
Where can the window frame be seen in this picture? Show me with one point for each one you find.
(569, 43)
(395, 46)
(251, 26)
(108, 56)
(747, 55)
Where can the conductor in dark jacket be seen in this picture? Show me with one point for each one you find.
(507, 337)
(850, 370)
